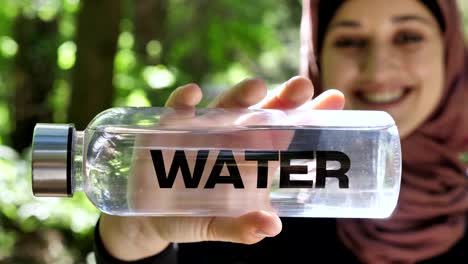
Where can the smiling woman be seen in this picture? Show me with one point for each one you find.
(408, 58)
(387, 58)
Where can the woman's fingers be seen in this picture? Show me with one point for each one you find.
(185, 96)
(249, 228)
(295, 92)
(242, 95)
(328, 100)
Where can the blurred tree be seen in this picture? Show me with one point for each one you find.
(34, 75)
(150, 27)
(96, 40)
(219, 43)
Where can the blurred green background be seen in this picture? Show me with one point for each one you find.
(67, 60)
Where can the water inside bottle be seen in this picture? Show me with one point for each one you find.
(121, 175)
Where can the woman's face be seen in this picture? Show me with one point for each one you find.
(386, 55)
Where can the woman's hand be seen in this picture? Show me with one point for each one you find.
(132, 238)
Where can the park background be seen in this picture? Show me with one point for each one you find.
(67, 60)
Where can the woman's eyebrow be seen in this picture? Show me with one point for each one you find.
(348, 23)
(406, 18)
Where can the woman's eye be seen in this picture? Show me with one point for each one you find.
(346, 43)
(406, 38)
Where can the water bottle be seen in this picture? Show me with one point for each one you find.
(150, 161)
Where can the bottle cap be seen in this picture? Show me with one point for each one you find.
(52, 160)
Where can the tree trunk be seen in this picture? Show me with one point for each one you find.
(150, 24)
(97, 34)
(35, 66)
(197, 63)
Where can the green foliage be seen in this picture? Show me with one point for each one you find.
(215, 44)
(464, 7)
(464, 157)
(22, 214)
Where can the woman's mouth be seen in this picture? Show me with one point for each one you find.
(383, 97)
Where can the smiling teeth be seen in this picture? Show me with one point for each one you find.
(383, 96)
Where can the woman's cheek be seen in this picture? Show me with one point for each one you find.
(429, 71)
(339, 73)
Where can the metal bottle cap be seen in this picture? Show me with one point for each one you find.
(52, 160)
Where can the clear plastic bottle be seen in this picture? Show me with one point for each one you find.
(206, 162)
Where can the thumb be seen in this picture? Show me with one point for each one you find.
(249, 228)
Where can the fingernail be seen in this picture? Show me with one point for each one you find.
(261, 234)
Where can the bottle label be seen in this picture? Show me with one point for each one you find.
(228, 167)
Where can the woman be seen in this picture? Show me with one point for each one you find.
(409, 61)
(406, 57)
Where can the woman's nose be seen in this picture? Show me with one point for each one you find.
(379, 63)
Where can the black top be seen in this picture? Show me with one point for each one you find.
(300, 240)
